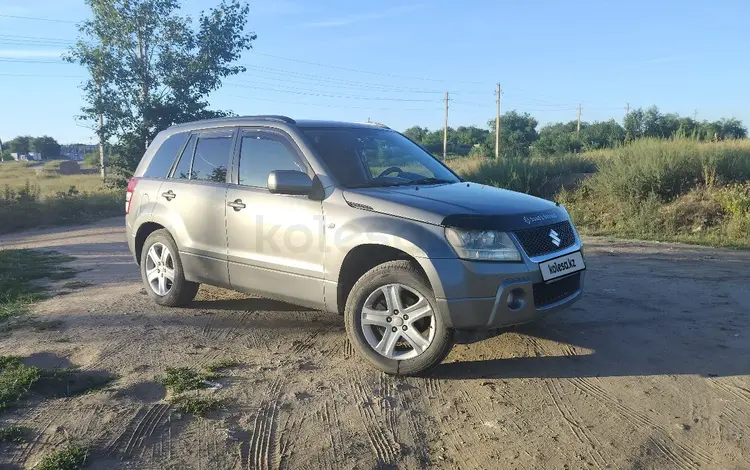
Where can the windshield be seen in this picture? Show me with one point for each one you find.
(360, 157)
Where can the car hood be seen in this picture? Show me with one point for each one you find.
(464, 205)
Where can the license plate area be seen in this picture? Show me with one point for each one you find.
(562, 266)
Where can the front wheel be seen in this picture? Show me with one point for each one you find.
(392, 320)
(161, 271)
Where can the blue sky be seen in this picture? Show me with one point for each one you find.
(685, 57)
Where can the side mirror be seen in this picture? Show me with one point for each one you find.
(289, 182)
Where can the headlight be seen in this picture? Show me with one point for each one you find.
(484, 245)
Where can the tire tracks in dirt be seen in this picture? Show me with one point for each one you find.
(686, 457)
(328, 415)
(262, 447)
(585, 437)
(380, 432)
(140, 428)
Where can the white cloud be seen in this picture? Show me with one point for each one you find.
(31, 53)
(361, 17)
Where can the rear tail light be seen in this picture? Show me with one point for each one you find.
(129, 194)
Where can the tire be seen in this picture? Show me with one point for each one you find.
(407, 275)
(179, 291)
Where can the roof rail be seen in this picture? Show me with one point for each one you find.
(274, 117)
(376, 124)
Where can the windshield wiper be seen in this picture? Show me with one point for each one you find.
(425, 181)
(384, 184)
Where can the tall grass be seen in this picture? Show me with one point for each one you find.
(675, 189)
(27, 207)
(538, 176)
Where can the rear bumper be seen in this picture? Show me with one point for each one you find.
(488, 295)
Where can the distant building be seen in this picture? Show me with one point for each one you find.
(76, 151)
(26, 157)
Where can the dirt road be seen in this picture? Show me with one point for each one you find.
(650, 370)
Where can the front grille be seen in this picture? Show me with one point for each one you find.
(546, 294)
(540, 241)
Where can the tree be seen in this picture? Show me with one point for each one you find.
(558, 138)
(416, 133)
(20, 144)
(517, 134)
(45, 145)
(150, 68)
(604, 134)
(732, 129)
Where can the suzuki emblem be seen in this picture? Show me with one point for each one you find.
(555, 237)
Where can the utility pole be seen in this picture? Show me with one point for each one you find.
(497, 123)
(627, 127)
(445, 129)
(578, 127)
(101, 137)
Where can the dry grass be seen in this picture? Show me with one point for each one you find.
(16, 174)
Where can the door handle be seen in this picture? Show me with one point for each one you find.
(237, 205)
(169, 195)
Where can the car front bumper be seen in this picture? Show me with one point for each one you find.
(487, 295)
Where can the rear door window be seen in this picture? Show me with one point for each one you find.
(164, 157)
(182, 171)
(211, 158)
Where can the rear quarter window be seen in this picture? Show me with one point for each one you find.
(165, 156)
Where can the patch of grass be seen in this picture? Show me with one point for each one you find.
(18, 270)
(12, 433)
(77, 284)
(16, 380)
(195, 405)
(70, 457)
(181, 379)
(222, 364)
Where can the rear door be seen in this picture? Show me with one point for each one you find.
(274, 241)
(195, 195)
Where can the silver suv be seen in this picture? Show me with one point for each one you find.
(354, 219)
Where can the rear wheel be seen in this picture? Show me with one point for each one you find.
(162, 273)
(392, 320)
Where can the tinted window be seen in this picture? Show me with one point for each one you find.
(211, 157)
(164, 157)
(182, 171)
(262, 154)
(376, 157)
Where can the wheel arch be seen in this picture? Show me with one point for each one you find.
(144, 230)
(363, 258)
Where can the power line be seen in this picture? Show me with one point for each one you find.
(275, 81)
(331, 105)
(382, 74)
(297, 91)
(36, 75)
(386, 87)
(36, 19)
(33, 61)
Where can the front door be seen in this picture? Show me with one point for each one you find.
(195, 195)
(275, 241)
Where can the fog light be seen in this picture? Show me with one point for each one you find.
(516, 299)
